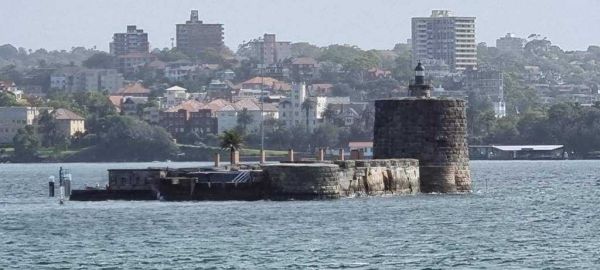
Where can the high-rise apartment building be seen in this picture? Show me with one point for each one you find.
(445, 37)
(194, 37)
(133, 41)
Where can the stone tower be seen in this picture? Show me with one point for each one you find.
(432, 130)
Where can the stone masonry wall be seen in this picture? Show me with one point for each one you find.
(376, 177)
(302, 181)
(434, 131)
(344, 178)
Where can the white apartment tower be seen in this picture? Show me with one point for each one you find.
(444, 37)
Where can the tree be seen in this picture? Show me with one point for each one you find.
(48, 129)
(367, 118)
(232, 141)
(307, 106)
(170, 55)
(7, 99)
(341, 54)
(100, 60)
(8, 51)
(125, 138)
(26, 144)
(363, 61)
(244, 119)
(191, 137)
(304, 49)
(11, 73)
(342, 90)
(329, 114)
(325, 136)
(211, 56)
(404, 70)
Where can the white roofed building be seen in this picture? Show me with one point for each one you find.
(174, 96)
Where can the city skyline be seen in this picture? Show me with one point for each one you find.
(37, 24)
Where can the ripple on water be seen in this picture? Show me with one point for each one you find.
(521, 215)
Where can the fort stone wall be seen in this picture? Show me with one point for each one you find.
(434, 131)
(342, 178)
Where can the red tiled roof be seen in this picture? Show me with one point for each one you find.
(216, 104)
(188, 105)
(64, 114)
(248, 104)
(116, 101)
(261, 80)
(136, 88)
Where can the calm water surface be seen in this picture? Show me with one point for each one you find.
(521, 215)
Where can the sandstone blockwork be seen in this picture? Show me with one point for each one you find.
(378, 177)
(344, 178)
(434, 131)
(303, 181)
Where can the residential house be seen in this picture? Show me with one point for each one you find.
(265, 83)
(348, 113)
(228, 115)
(192, 115)
(68, 122)
(299, 109)
(117, 102)
(366, 148)
(134, 90)
(14, 118)
(174, 96)
(377, 74)
(175, 119)
(131, 105)
(11, 88)
(219, 89)
(320, 89)
(132, 62)
(225, 75)
(304, 69)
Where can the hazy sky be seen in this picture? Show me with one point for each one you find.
(370, 24)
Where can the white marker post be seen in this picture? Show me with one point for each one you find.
(62, 195)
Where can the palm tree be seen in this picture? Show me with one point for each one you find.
(307, 105)
(232, 141)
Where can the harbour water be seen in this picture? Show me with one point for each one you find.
(521, 215)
